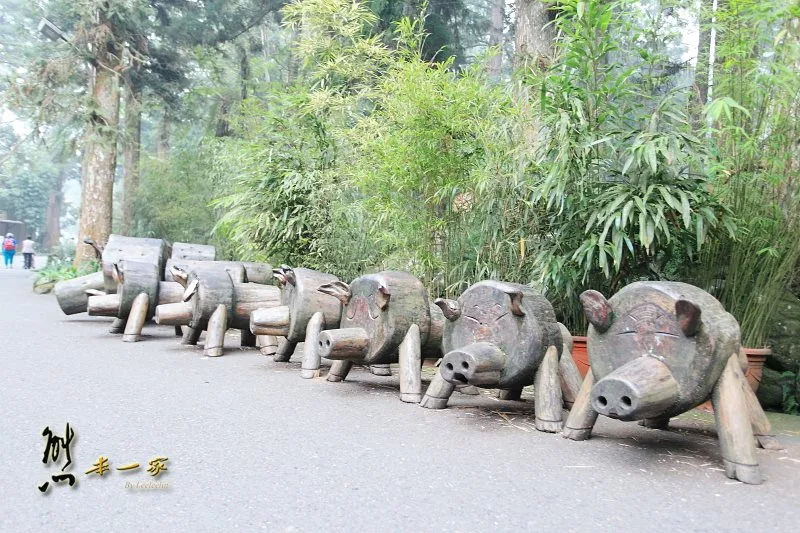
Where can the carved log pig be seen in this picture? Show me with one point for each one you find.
(386, 318)
(505, 336)
(304, 312)
(72, 294)
(139, 290)
(658, 349)
(216, 300)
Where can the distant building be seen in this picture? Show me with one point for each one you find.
(13, 226)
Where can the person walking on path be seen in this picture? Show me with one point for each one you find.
(27, 252)
(9, 249)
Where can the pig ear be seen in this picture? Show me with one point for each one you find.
(277, 273)
(190, 290)
(382, 296)
(450, 308)
(179, 274)
(597, 310)
(688, 317)
(98, 250)
(290, 275)
(337, 289)
(117, 273)
(516, 302)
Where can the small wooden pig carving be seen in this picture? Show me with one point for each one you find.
(505, 336)
(658, 349)
(215, 300)
(304, 312)
(386, 318)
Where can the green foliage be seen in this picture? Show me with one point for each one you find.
(756, 129)
(174, 196)
(790, 385)
(61, 268)
(274, 175)
(622, 175)
(431, 161)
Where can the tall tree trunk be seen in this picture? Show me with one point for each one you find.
(55, 201)
(703, 45)
(162, 142)
(100, 146)
(533, 44)
(411, 8)
(496, 36)
(130, 154)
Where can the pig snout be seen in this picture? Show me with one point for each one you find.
(476, 364)
(642, 388)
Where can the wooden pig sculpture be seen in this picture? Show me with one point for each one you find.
(215, 300)
(72, 295)
(304, 312)
(386, 319)
(658, 349)
(505, 336)
(139, 290)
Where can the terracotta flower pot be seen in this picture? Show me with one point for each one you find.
(580, 355)
(756, 357)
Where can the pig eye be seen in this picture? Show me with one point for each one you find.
(666, 333)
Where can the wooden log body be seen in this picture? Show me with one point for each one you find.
(212, 288)
(247, 298)
(71, 294)
(121, 248)
(299, 293)
(681, 326)
(182, 251)
(496, 335)
(138, 277)
(384, 306)
(253, 272)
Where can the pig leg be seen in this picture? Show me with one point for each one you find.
(762, 428)
(117, 326)
(285, 351)
(582, 417)
(191, 336)
(547, 389)
(136, 318)
(733, 425)
(514, 394)
(570, 377)
(410, 359)
(248, 339)
(311, 358)
(269, 344)
(215, 333)
(339, 370)
(381, 370)
(438, 393)
(179, 331)
(661, 422)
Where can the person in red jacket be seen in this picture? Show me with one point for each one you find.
(9, 249)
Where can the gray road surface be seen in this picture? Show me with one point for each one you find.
(251, 446)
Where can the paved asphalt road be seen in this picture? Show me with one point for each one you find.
(252, 446)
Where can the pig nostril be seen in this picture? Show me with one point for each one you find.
(626, 401)
(320, 344)
(465, 365)
(449, 366)
(328, 342)
(602, 401)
